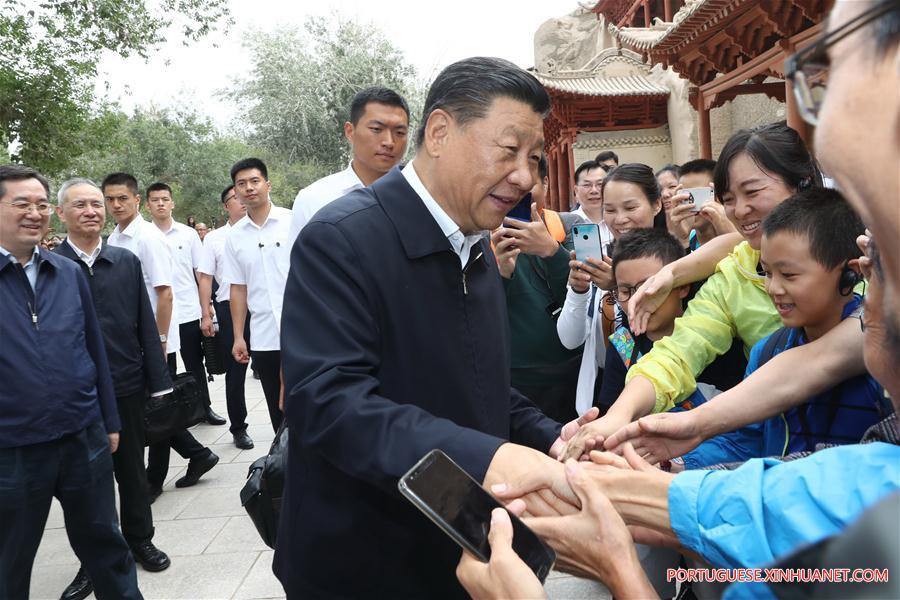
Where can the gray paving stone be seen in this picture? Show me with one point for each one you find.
(213, 577)
(55, 549)
(574, 588)
(260, 581)
(213, 502)
(172, 503)
(55, 518)
(239, 534)
(48, 581)
(187, 537)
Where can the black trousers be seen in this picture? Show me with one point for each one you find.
(235, 372)
(78, 470)
(182, 442)
(192, 353)
(268, 365)
(131, 475)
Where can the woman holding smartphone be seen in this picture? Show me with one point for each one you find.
(631, 200)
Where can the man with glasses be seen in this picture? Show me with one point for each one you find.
(589, 196)
(58, 419)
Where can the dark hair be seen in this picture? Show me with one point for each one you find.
(542, 167)
(825, 219)
(225, 192)
(607, 155)
(776, 149)
(158, 186)
(249, 163)
(125, 179)
(467, 88)
(671, 168)
(699, 165)
(644, 243)
(20, 173)
(640, 175)
(887, 27)
(381, 95)
(589, 165)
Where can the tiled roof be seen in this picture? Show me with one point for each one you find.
(705, 14)
(588, 85)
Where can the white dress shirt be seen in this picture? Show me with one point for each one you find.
(319, 193)
(149, 244)
(259, 257)
(31, 267)
(86, 258)
(462, 244)
(186, 249)
(212, 260)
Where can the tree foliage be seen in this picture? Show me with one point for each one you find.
(298, 94)
(49, 50)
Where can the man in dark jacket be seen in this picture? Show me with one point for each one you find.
(135, 356)
(58, 417)
(396, 342)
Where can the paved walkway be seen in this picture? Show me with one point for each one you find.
(215, 550)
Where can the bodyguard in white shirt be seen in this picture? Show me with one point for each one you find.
(257, 260)
(378, 130)
(212, 269)
(120, 191)
(186, 247)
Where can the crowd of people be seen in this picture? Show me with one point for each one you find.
(718, 390)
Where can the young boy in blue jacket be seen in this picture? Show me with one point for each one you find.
(809, 255)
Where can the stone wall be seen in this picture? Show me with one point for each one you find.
(649, 146)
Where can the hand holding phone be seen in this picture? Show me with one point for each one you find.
(462, 509)
(586, 239)
(698, 197)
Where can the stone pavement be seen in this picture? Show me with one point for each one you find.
(215, 550)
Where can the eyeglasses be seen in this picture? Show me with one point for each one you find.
(623, 293)
(808, 69)
(587, 186)
(24, 207)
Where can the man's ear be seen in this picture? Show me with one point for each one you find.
(437, 131)
(348, 131)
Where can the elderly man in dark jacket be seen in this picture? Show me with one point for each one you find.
(396, 341)
(135, 356)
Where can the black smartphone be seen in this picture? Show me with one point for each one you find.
(458, 504)
(522, 210)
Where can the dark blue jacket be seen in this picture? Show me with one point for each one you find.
(54, 372)
(130, 335)
(390, 349)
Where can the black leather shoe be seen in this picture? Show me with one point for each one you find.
(243, 441)
(196, 468)
(81, 587)
(155, 492)
(150, 557)
(212, 418)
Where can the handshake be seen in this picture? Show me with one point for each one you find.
(591, 511)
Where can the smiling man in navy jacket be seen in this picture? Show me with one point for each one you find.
(396, 342)
(58, 418)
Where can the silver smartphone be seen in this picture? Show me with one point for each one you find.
(586, 239)
(458, 504)
(698, 197)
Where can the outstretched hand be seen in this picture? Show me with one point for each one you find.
(658, 437)
(648, 298)
(569, 430)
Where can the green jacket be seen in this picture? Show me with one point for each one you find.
(536, 284)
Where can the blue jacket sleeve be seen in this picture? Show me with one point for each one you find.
(528, 426)
(331, 356)
(734, 446)
(766, 508)
(95, 347)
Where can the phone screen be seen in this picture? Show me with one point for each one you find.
(462, 508)
(522, 210)
(698, 197)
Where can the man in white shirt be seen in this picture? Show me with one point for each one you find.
(123, 202)
(212, 270)
(378, 130)
(257, 260)
(186, 249)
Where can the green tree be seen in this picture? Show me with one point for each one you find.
(298, 95)
(49, 52)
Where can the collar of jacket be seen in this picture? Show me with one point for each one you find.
(419, 233)
(64, 249)
(5, 262)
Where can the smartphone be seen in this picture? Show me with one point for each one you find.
(522, 210)
(587, 242)
(698, 197)
(462, 509)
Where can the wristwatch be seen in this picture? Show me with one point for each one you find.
(163, 338)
